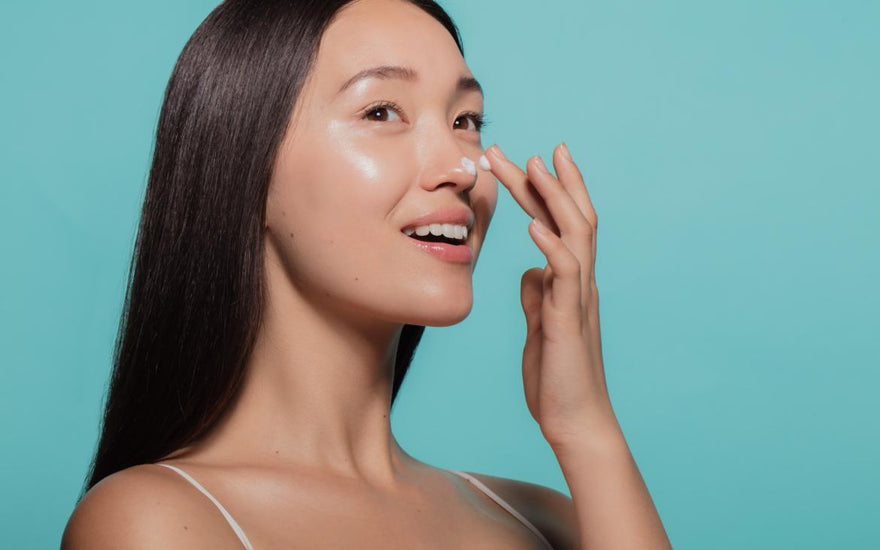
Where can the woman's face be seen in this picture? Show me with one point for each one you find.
(351, 175)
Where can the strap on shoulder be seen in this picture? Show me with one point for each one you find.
(232, 523)
(494, 496)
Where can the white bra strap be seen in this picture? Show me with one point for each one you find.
(235, 527)
(494, 496)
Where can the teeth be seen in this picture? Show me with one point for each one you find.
(452, 231)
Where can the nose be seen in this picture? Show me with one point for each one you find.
(448, 164)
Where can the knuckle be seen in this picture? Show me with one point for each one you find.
(588, 231)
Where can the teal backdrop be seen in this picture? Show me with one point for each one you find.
(731, 151)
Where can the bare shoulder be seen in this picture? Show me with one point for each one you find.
(551, 511)
(146, 506)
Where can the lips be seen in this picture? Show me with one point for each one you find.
(456, 215)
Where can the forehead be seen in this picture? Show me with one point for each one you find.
(368, 33)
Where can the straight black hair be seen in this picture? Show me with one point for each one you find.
(195, 290)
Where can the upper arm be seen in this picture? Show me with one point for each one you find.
(551, 511)
(141, 508)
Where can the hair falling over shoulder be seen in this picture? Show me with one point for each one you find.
(195, 290)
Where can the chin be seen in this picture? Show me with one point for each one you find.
(435, 316)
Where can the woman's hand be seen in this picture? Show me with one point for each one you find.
(563, 374)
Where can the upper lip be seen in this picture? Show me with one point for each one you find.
(451, 215)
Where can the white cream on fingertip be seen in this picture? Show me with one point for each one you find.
(469, 166)
(484, 163)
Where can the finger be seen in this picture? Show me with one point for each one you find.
(572, 179)
(531, 296)
(564, 291)
(576, 231)
(547, 281)
(573, 225)
(517, 182)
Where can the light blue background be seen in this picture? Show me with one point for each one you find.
(731, 151)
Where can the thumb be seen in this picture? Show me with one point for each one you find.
(532, 296)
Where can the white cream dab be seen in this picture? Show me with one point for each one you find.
(469, 166)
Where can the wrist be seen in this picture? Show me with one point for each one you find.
(597, 430)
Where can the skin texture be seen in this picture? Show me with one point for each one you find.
(305, 458)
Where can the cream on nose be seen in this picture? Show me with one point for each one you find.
(469, 166)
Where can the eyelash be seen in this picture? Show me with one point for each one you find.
(480, 120)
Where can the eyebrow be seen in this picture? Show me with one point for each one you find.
(386, 72)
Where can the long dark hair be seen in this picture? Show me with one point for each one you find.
(195, 291)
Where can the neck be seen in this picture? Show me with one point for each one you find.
(316, 394)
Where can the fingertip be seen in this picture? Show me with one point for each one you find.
(540, 227)
(538, 164)
(496, 150)
(565, 151)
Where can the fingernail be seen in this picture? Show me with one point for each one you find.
(484, 163)
(542, 229)
(540, 164)
(566, 152)
(498, 151)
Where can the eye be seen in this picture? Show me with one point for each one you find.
(479, 120)
(380, 107)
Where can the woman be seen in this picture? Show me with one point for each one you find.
(282, 281)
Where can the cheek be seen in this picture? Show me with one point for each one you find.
(369, 176)
(491, 191)
(485, 197)
(335, 189)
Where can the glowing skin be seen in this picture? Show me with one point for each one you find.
(341, 277)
